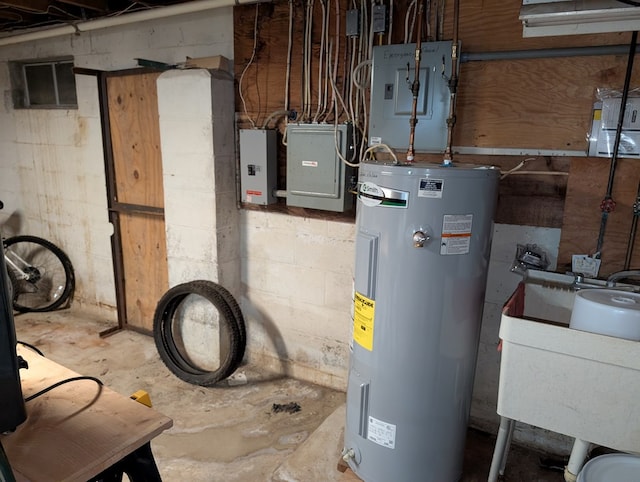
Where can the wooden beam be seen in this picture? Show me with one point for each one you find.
(10, 15)
(31, 5)
(97, 5)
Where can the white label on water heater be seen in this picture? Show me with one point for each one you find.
(382, 433)
(456, 233)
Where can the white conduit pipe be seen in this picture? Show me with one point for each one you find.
(124, 19)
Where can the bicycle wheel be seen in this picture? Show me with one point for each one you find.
(198, 333)
(41, 273)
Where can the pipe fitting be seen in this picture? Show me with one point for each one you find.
(348, 454)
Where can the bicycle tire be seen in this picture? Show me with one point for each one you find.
(237, 315)
(51, 280)
(178, 362)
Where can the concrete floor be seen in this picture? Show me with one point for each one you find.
(231, 433)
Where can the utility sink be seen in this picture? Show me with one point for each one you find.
(581, 384)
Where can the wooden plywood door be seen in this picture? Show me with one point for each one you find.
(138, 195)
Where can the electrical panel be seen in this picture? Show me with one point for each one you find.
(392, 99)
(317, 177)
(605, 123)
(258, 165)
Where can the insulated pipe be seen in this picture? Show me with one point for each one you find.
(106, 22)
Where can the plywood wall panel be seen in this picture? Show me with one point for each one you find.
(493, 25)
(582, 215)
(543, 103)
(534, 104)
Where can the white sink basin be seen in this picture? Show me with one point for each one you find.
(584, 385)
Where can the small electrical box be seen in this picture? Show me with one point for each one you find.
(379, 14)
(317, 177)
(604, 126)
(353, 23)
(258, 165)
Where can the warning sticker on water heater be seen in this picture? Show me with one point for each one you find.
(431, 188)
(363, 311)
(456, 233)
(382, 433)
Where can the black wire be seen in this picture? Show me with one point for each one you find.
(62, 382)
(6, 474)
(630, 2)
(30, 346)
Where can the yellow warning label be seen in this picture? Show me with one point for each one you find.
(597, 114)
(364, 309)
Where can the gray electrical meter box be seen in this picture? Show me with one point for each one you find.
(317, 177)
(258, 166)
(391, 96)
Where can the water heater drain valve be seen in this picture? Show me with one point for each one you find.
(348, 454)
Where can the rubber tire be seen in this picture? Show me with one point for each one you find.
(237, 315)
(229, 315)
(70, 280)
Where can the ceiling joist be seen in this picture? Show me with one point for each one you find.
(95, 5)
(40, 6)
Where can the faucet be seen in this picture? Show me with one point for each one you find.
(613, 278)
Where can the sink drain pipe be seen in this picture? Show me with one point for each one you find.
(608, 205)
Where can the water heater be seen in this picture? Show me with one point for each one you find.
(422, 255)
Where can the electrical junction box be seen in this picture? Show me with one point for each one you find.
(258, 166)
(605, 124)
(379, 14)
(391, 97)
(317, 178)
(353, 23)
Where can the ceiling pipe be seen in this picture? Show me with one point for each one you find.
(124, 19)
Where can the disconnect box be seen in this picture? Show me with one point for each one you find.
(258, 165)
(317, 177)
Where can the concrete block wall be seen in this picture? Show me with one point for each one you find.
(198, 162)
(52, 168)
(297, 277)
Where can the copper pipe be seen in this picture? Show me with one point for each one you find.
(453, 85)
(415, 86)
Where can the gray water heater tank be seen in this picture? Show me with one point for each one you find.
(422, 255)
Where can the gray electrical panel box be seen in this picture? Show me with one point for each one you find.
(391, 96)
(258, 165)
(317, 177)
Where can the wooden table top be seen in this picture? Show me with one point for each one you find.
(76, 430)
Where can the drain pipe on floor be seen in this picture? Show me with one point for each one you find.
(608, 205)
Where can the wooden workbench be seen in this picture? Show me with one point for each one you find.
(77, 430)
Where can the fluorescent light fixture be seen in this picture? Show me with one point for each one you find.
(543, 19)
